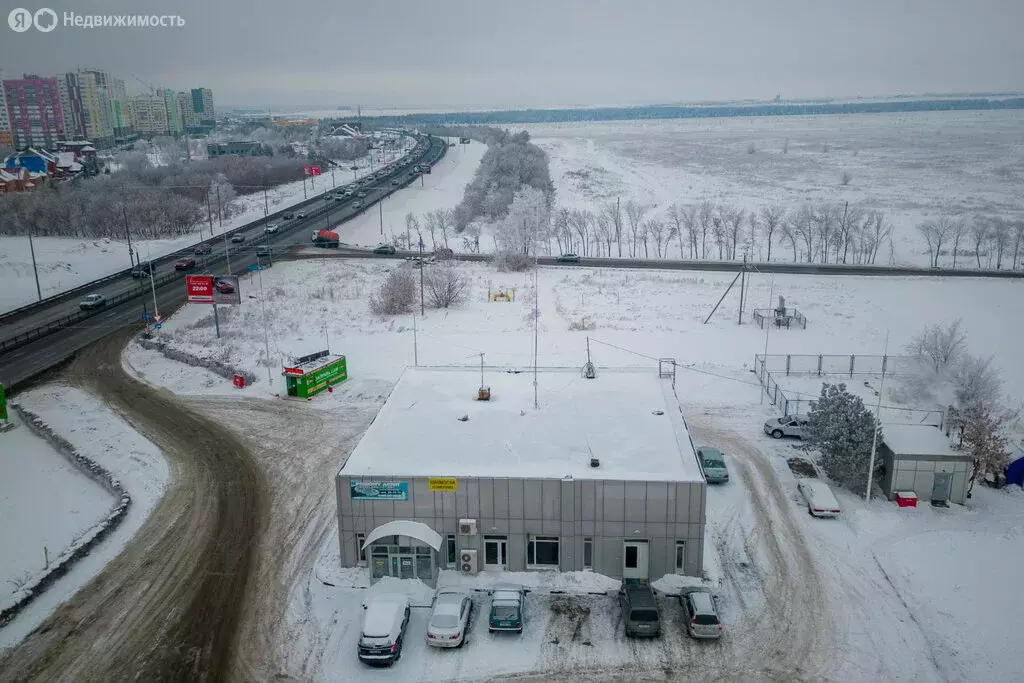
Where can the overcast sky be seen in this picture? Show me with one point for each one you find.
(516, 53)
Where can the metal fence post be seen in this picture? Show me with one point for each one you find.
(852, 362)
(788, 357)
(819, 365)
(775, 398)
(885, 360)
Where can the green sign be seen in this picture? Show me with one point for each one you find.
(379, 490)
(3, 403)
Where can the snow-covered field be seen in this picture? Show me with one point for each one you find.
(868, 599)
(44, 501)
(67, 263)
(911, 166)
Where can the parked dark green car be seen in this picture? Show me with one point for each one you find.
(506, 609)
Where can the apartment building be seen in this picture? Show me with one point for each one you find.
(34, 112)
(150, 114)
(6, 141)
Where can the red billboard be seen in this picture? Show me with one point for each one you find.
(199, 288)
(311, 170)
(212, 289)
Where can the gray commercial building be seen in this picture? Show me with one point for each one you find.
(601, 476)
(920, 458)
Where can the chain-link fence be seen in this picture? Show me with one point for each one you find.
(769, 368)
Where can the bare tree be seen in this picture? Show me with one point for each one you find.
(635, 212)
(705, 218)
(444, 286)
(580, 221)
(1018, 241)
(412, 224)
(939, 347)
(397, 294)
(755, 226)
(789, 234)
(614, 213)
(604, 232)
(1000, 238)
(959, 229)
(983, 439)
(655, 228)
(935, 234)
(444, 222)
(771, 218)
(732, 223)
(803, 225)
(878, 230)
(562, 231)
(846, 231)
(718, 233)
(979, 235)
(824, 219)
(675, 216)
(689, 215)
(430, 222)
(977, 383)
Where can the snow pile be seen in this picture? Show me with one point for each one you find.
(213, 366)
(541, 582)
(84, 543)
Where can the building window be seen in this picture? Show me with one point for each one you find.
(360, 539)
(680, 557)
(631, 556)
(453, 554)
(542, 551)
(588, 553)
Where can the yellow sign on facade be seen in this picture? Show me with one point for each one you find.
(443, 483)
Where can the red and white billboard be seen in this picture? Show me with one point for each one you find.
(199, 288)
(212, 289)
(311, 170)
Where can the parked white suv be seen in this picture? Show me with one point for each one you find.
(786, 426)
(385, 617)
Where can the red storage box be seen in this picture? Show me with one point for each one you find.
(906, 499)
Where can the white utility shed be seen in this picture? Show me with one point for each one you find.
(920, 458)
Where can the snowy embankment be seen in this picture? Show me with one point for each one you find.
(47, 501)
(64, 264)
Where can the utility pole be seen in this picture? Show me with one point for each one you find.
(767, 328)
(380, 212)
(743, 287)
(422, 305)
(266, 204)
(878, 409)
(35, 270)
(415, 344)
(152, 286)
(328, 210)
(220, 210)
(304, 195)
(536, 334)
(227, 251)
(266, 337)
(127, 231)
(209, 213)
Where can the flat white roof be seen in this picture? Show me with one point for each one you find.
(417, 432)
(904, 439)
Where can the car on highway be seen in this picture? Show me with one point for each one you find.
(790, 425)
(639, 610)
(702, 620)
(328, 197)
(395, 182)
(300, 214)
(288, 216)
(361, 194)
(386, 249)
(506, 608)
(820, 500)
(238, 238)
(385, 618)
(263, 251)
(349, 193)
(713, 462)
(270, 229)
(224, 287)
(141, 269)
(568, 258)
(185, 264)
(449, 620)
(202, 249)
(92, 301)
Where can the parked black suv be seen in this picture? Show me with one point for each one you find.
(639, 610)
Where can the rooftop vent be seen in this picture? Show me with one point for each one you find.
(594, 462)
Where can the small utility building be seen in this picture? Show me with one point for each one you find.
(603, 477)
(919, 458)
(309, 375)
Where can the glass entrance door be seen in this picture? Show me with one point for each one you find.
(495, 552)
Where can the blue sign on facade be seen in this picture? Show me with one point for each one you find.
(379, 490)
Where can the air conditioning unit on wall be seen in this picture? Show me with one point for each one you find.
(467, 561)
(467, 527)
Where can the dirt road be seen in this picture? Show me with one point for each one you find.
(168, 607)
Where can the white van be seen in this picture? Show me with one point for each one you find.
(385, 617)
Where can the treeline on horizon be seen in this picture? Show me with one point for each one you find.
(520, 116)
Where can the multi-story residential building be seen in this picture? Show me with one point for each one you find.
(97, 114)
(186, 112)
(151, 115)
(202, 104)
(36, 117)
(173, 112)
(6, 141)
(71, 105)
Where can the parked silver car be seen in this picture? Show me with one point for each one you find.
(701, 614)
(792, 425)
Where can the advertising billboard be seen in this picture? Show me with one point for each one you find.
(212, 289)
(379, 490)
(311, 170)
(226, 290)
(442, 484)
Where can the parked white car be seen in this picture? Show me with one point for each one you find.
(449, 621)
(786, 426)
(385, 617)
(821, 502)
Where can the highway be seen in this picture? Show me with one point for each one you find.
(38, 320)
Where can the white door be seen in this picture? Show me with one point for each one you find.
(495, 553)
(634, 560)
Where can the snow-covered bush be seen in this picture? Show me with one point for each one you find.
(444, 286)
(977, 383)
(397, 294)
(841, 428)
(939, 347)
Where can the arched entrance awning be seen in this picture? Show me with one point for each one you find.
(404, 527)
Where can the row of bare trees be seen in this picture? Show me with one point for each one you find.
(822, 233)
(1001, 241)
(433, 230)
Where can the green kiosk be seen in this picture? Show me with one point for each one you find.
(309, 375)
